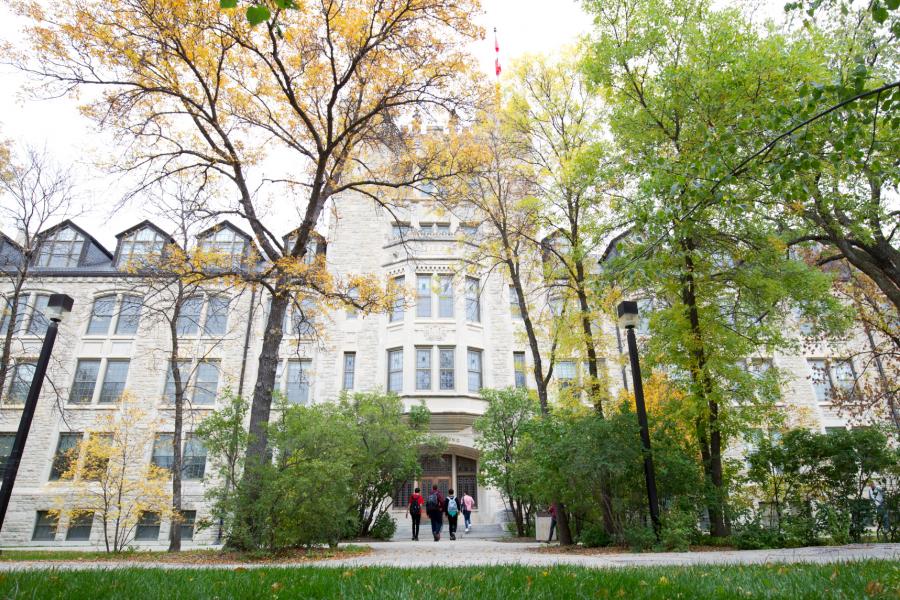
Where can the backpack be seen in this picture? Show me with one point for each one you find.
(452, 508)
(431, 505)
(415, 508)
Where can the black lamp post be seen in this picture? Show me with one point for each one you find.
(57, 306)
(628, 318)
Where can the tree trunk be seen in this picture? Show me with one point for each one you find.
(711, 446)
(260, 409)
(175, 530)
(596, 390)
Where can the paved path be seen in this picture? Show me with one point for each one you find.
(486, 552)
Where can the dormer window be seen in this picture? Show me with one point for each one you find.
(62, 248)
(225, 241)
(312, 247)
(140, 244)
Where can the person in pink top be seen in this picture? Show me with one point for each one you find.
(467, 503)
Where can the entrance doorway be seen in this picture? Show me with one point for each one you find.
(448, 471)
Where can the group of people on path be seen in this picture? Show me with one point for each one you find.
(435, 506)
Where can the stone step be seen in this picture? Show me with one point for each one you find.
(480, 531)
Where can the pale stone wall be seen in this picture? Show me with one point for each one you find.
(359, 241)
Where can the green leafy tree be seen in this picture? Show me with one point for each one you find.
(386, 451)
(499, 433)
(691, 89)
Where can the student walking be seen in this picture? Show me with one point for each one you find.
(451, 507)
(434, 508)
(415, 512)
(467, 503)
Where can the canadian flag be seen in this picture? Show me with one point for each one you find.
(497, 53)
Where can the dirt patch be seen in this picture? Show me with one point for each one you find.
(198, 557)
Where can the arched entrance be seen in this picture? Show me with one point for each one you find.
(447, 471)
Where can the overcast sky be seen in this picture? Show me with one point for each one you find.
(522, 26)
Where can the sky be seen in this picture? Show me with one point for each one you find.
(523, 26)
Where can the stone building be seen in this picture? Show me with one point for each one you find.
(458, 333)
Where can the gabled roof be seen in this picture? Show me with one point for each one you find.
(220, 225)
(147, 224)
(10, 241)
(69, 223)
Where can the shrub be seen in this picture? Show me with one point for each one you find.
(384, 527)
(639, 538)
(679, 531)
(594, 535)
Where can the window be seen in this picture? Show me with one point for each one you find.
(402, 495)
(96, 465)
(39, 322)
(44, 527)
(474, 362)
(448, 368)
(834, 430)
(565, 373)
(758, 367)
(85, 380)
(7, 311)
(61, 249)
(188, 321)
(351, 310)
(395, 370)
(435, 228)
(114, 381)
(830, 377)
(207, 383)
(445, 297)
(468, 231)
(519, 369)
(20, 382)
(466, 478)
(514, 309)
(297, 389)
(843, 377)
(423, 295)
(557, 305)
(225, 241)
(129, 315)
(187, 520)
(138, 245)
(80, 527)
(66, 452)
(397, 310)
(423, 368)
(184, 374)
(349, 369)
(820, 380)
(101, 315)
(473, 303)
(302, 318)
(6, 444)
(194, 458)
(147, 527)
(400, 230)
(163, 452)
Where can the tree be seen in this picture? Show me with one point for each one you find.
(833, 181)
(499, 432)
(35, 193)
(171, 283)
(110, 478)
(556, 124)
(386, 451)
(692, 88)
(196, 90)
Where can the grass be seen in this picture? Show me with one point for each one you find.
(865, 579)
(199, 557)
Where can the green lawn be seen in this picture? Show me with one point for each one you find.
(868, 579)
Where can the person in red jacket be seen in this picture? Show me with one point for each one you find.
(415, 511)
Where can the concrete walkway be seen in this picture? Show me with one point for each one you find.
(486, 552)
